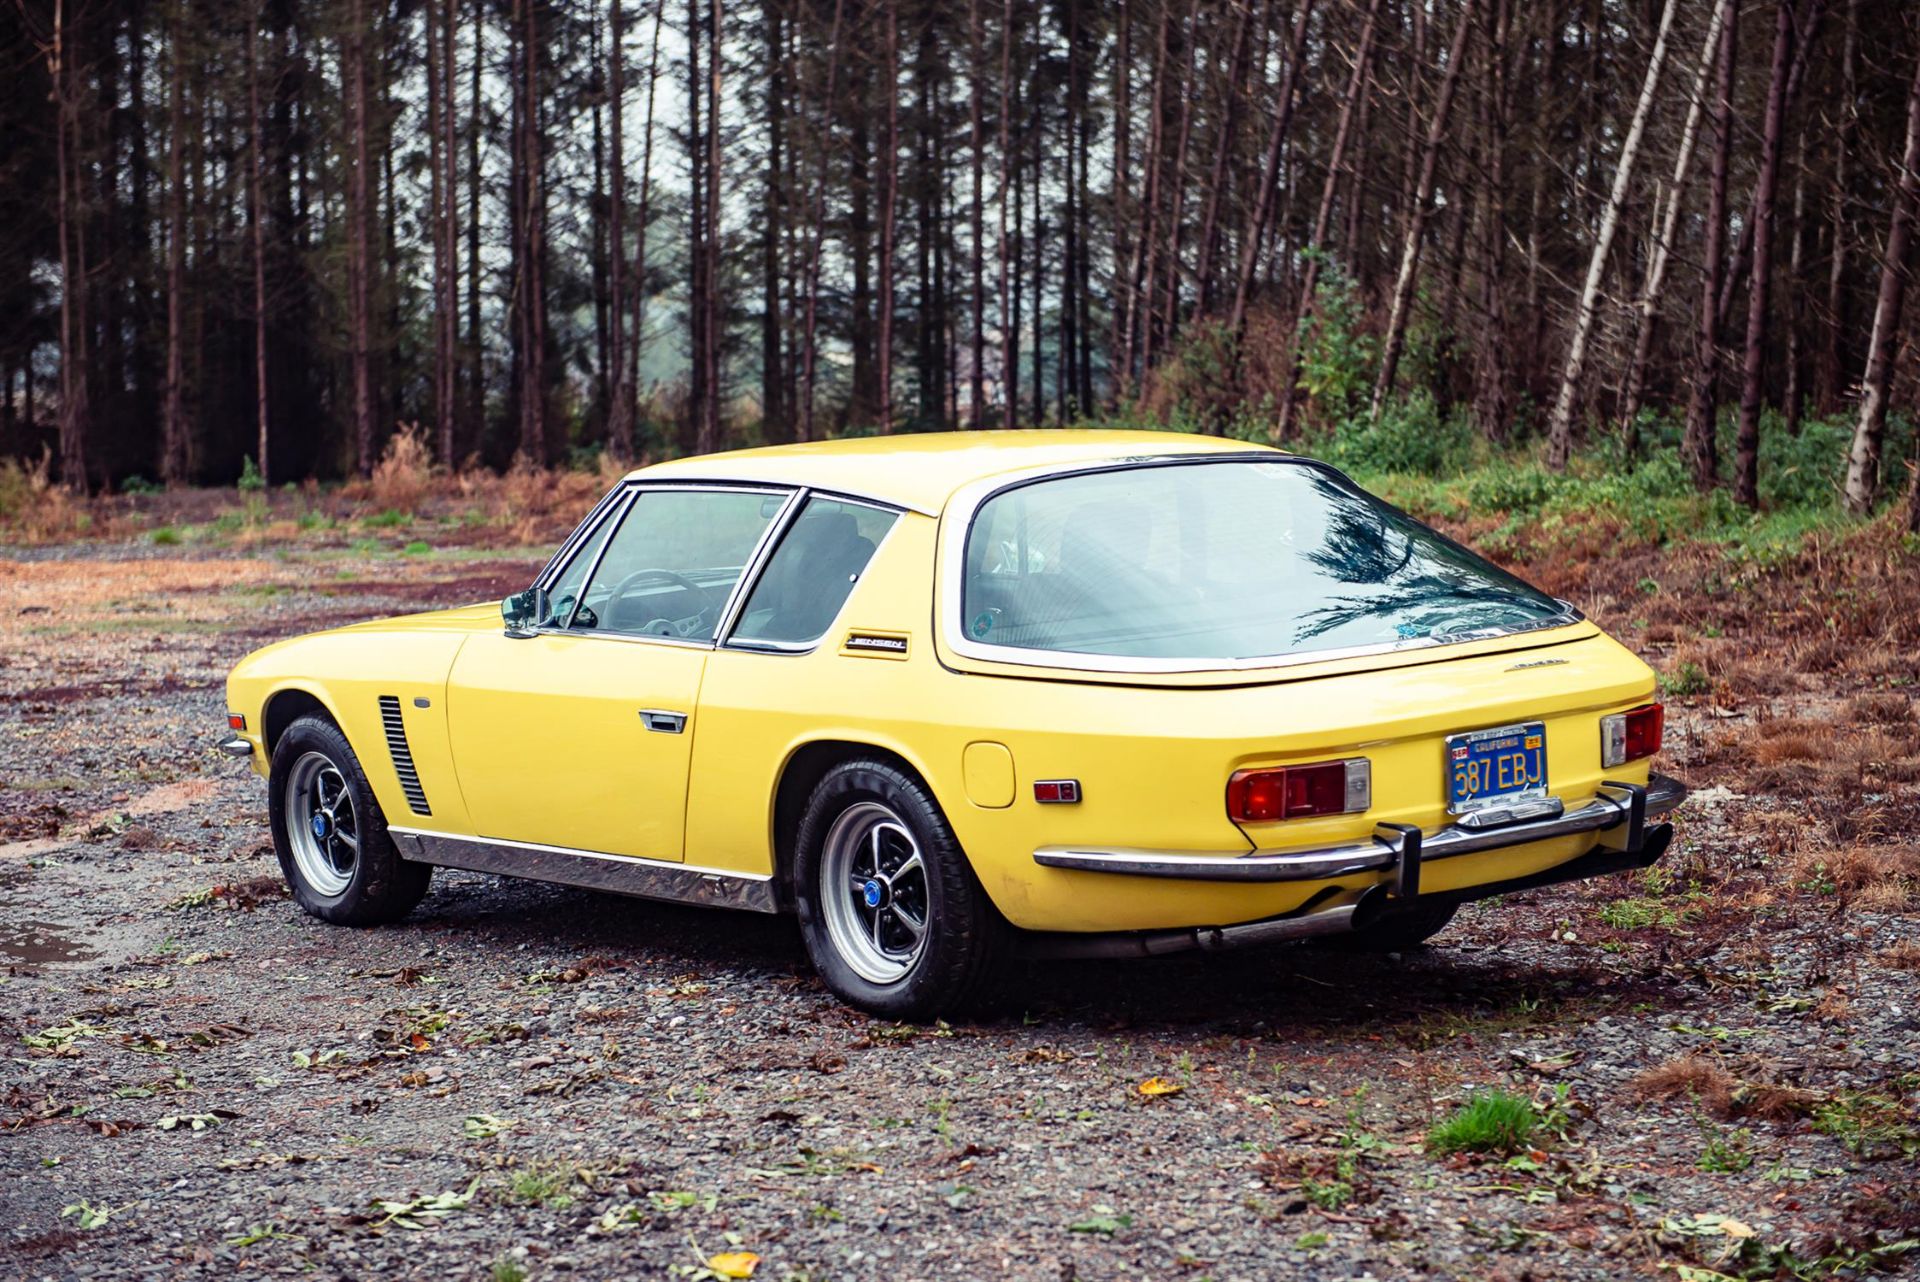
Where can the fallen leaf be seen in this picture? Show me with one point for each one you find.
(1155, 1086)
(734, 1264)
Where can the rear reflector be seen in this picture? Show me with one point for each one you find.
(1057, 792)
(1630, 736)
(1297, 792)
(235, 721)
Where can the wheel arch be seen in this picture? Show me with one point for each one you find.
(286, 706)
(802, 772)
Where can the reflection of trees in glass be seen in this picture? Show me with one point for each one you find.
(1427, 584)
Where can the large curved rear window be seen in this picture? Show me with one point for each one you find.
(1223, 561)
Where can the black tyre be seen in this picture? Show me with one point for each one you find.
(893, 917)
(330, 833)
(1398, 931)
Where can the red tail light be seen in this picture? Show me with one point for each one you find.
(236, 721)
(1646, 727)
(1297, 792)
(1632, 735)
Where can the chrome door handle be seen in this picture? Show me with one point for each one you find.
(663, 721)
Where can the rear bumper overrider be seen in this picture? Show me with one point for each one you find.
(1620, 814)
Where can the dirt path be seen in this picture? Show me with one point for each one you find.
(198, 1078)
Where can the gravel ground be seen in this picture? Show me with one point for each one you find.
(199, 1079)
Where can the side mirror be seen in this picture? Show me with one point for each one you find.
(523, 611)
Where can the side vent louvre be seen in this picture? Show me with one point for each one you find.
(402, 755)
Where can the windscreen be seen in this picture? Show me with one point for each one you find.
(1223, 561)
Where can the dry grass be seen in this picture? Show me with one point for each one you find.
(1884, 709)
(1879, 878)
(33, 509)
(405, 471)
(1711, 1086)
(1904, 955)
(1691, 1077)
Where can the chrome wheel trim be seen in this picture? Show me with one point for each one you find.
(874, 893)
(322, 825)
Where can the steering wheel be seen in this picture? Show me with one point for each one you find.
(679, 627)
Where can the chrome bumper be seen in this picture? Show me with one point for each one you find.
(236, 747)
(1619, 814)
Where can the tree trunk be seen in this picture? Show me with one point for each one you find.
(976, 283)
(1869, 432)
(256, 210)
(816, 231)
(533, 284)
(1493, 393)
(1560, 422)
(175, 453)
(1794, 395)
(1698, 445)
(642, 232)
(1647, 307)
(1223, 148)
(476, 347)
(620, 410)
(1125, 211)
(1746, 483)
(75, 415)
(1176, 207)
(360, 236)
(1422, 210)
(716, 68)
(889, 204)
(1833, 353)
(440, 197)
(697, 309)
(1256, 230)
(1323, 217)
(1010, 323)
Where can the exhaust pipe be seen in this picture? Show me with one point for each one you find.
(1212, 939)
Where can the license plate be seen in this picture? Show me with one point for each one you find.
(1487, 767)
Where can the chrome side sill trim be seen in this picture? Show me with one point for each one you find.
(1661, 795)
(237, 748)
(621, 874)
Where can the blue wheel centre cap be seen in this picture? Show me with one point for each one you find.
(319, 826)
(872, 894)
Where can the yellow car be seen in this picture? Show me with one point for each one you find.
(948, 697)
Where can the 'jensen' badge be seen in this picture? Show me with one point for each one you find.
(885, 645)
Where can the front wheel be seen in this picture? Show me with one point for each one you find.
(330, 833)
(893, 917)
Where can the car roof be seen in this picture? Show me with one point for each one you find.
(922, 470)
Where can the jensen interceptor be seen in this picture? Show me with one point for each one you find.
(950, 697)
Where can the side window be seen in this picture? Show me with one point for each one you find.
(566, 588)
(671, 565)
(812, 572)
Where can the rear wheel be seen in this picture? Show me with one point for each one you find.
(1398, 931)
(330, 834)
(893, 917)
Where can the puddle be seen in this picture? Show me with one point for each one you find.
(41, 942)
(33, 942)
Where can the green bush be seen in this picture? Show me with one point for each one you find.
(1337, 357)
(1410, 437)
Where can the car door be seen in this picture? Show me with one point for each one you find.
(577, 731)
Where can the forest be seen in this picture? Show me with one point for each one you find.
(259, 238)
